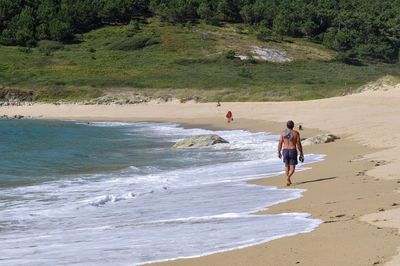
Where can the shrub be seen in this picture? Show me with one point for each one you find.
(47, 45)
(133, 43)
(187, 61)
(60, 83)
(308, 81)
(263, 33)
(132, 28)
(239, 28)
(26, 50)
(250, 59)
(349, 57)
(189, 25)
(47, 52)
(60, 30)
(230, 54)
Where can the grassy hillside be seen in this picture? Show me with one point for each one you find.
(181, 62)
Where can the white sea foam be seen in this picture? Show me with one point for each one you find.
(152, 212)
(107, 124)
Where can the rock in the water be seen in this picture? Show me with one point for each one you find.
(319, 139)
(200, 141)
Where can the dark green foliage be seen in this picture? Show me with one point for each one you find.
(26, 50)
(111, 11)
(26, 22)
(204, 12)
(263, 33)
(59, 30)
(20, 28)
(349, 57)
(230, 54)
(239, 28)
(133, 28)
(133, 43)
(250, 59)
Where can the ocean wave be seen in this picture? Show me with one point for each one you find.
(107, 124)
(111, 198)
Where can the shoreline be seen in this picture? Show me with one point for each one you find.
(341, 190)
(382, 242)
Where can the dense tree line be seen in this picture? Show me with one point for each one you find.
(355, 28)
(24, 22)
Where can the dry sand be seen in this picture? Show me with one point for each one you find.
(354, 191)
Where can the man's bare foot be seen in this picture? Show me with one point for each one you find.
(288, 183)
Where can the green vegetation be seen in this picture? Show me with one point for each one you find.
(358, 30)
(47, 47)
(133, 43)
(184, 63)
(53, 95)
(78, 49)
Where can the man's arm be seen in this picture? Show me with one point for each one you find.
(299, 144)
(280, 146)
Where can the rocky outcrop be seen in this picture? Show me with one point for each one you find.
(271, 55)
(6, 117)
(319, 139)
(200, 141)
(265, 54)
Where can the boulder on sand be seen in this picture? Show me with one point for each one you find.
(200, 141)
(319, 139)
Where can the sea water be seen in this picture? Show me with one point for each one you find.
(74, 193)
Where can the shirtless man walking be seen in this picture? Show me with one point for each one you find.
(291, 142)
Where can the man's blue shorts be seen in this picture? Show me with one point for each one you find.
(290, 156)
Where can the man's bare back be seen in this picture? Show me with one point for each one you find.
(294, 143)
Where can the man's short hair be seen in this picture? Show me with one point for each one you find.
(290, 124)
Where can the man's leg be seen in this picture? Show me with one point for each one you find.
(289, 172)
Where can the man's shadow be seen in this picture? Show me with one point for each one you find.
(315, 180)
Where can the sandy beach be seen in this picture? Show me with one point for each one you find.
(354, 190)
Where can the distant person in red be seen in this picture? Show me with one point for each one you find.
(229, 116)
